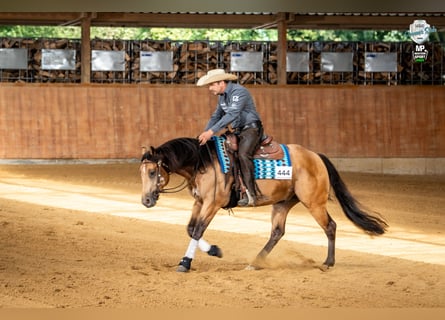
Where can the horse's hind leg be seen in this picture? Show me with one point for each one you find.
(279, 215)
(329, 226)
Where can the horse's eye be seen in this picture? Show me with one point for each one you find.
(152, 173)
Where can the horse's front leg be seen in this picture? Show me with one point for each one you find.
(186, 262)
(195, 229)
(196, 209)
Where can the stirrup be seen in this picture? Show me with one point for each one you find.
(243, 202)
(250, 201)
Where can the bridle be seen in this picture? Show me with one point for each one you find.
(159, 185)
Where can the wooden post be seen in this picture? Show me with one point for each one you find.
(281, 48)
(85, 50)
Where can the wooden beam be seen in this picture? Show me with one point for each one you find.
(363, 21)
(335, 21)
(37, 18)
(183, 20)
(282, 49)
(85, 49)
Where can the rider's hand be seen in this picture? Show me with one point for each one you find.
(206, 135)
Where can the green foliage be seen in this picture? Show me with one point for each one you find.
(347, 35)
(115, 33)
(40, 32)
(178, 34)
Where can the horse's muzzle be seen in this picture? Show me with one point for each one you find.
(149, 200)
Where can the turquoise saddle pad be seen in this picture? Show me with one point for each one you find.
(264, 168)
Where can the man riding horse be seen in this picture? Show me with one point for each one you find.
(235, 107)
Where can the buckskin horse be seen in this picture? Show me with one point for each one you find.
(308, 179)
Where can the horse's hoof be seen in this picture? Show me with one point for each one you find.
(215, 251)
(184, 265)
(324, 267)
(252, 267)
(182, 269)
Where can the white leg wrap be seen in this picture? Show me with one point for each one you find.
(203, 245)
(191, 250)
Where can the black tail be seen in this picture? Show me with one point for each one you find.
(373, 225)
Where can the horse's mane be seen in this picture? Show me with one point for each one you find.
(180, 153)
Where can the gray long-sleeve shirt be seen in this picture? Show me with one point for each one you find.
(235, 107)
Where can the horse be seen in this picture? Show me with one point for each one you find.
(311, 178)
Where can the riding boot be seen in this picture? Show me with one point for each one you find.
(249, 140)
(251, 198)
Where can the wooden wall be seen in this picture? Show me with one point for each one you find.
(59, 121)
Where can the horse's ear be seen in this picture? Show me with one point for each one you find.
(143, 150)
(152, 149)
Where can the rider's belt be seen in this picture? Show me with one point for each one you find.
(252, 125)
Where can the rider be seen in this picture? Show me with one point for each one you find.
(235, 107)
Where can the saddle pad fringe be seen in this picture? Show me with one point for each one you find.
(221, 152)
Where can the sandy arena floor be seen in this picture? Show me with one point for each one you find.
(77, 236)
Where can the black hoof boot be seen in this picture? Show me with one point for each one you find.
(215, 251)
(184, 265)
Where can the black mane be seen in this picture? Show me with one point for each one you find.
(181, 153)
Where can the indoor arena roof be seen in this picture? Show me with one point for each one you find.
(241, 20)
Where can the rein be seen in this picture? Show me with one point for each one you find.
(214, 170)
(176, 189)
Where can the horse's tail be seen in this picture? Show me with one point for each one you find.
(371, 224)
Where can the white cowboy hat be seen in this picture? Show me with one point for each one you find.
(215, 75)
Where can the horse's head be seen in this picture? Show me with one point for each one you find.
(181, 155)
(154, 178)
